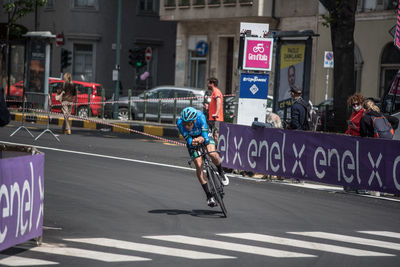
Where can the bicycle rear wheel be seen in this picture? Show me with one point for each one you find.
(216, 189)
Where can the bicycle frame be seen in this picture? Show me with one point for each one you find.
(214, 181)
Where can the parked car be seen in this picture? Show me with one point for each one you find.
(82, 88)
(163, 97)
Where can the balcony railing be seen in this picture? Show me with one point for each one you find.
(171, 4)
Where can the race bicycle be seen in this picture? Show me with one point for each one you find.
(214, 179)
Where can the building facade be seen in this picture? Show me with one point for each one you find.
(217, 22)
(90, 33)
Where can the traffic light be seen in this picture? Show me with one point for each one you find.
(136, 57)
(65, 58)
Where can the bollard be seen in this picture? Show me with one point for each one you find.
(175, 97)
(89, 109)
(144, 106)
(76, 103)
(129, 104)
(159, 107)
(103, 93)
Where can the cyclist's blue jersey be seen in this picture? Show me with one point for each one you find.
(199, 128)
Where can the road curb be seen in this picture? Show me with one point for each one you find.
(162, 130)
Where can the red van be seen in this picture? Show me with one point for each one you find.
(82, 88)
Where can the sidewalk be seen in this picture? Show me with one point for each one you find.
(153, 128)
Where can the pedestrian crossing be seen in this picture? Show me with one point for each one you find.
(219, 246)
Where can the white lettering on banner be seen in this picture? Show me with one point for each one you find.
(375, 167)
(322, 162)
(298, 157)
(6, 211)
(25, 199)
(237, 155)
(332, 152)
(258, 57)
(396, 183)
(254, 79)
(264, 144)
(350, 166)
(253, 153)
(275, 168)
(41, 192)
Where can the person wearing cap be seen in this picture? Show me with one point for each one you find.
(298, 110)
(193, 127)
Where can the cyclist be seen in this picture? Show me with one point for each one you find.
(193, 127)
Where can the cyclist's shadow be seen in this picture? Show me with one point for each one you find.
(195, 213)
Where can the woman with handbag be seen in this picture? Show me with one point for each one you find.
(66, 96)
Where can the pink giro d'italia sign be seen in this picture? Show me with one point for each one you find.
(258, 54)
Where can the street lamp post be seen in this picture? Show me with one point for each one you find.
(116, 93)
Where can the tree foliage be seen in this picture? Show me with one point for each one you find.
(17, 9)
(341, 20)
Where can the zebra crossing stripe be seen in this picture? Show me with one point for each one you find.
(87, 254)
(20, 261)
(182, 253)
(382, 233)
(305, 244)
(229, 246)
(350, 239)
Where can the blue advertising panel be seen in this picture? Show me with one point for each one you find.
(254, 86)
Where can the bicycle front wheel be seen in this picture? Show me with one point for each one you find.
(216, 190)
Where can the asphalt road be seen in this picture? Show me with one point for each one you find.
(128, 200)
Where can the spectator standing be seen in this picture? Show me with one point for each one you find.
(355, 101)
(298, 111)
(67, 100)
(367, 122)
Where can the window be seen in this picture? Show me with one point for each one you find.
(83, 62)
(390, 64)
(372, 5)
(85, 4)
(148, 6)
(50, 4)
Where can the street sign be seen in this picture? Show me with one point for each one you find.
(148, 54)
(258, 53)
(60, 39)
(201, 48)
(328, 59)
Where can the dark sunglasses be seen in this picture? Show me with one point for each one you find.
(355, 104)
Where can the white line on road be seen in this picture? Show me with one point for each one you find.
(350, 239)
(20, 261)
(305, 244)
(182, 253)
(87, 254)
(230, 246)
(382, 233)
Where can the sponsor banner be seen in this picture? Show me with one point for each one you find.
(362, 163)
(252, 98)
(21, 199)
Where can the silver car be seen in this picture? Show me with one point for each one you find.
(160, 101)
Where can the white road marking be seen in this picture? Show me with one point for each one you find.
(102, 156)
(20, 261)
(350, 239)
(230, 246)
(182, 253)
(87, 254)
(382, 233)
(305, 244)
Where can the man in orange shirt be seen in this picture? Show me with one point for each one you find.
(215, 107)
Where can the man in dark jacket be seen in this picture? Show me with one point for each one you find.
(298, 111)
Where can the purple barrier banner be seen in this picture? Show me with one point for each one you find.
(362, 163)
(21, 199)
